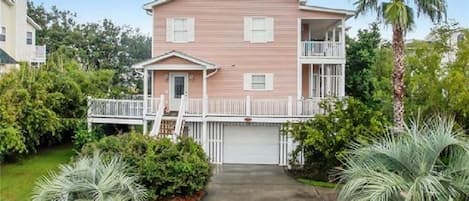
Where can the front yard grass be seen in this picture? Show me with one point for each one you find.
(17, 179)
(318, 183)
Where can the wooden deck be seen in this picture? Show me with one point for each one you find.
(126, 111)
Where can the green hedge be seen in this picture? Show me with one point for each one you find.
(167, 169)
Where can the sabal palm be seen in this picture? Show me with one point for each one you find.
(400, 15)
(91, 179)
(430, 162)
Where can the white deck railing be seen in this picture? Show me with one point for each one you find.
(246, 106)
(179, 121)
(322, 49)
(226, 106)
(115, 108)
(158, 117)
(40, 54)
(153, 104)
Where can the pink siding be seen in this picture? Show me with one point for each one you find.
(219, 39)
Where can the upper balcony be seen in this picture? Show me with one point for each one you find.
(322, 39)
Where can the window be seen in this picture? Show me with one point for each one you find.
(259, 32)
(3, 33)
(180, 30)
(259, 29)
(29, 38)
(258, 81)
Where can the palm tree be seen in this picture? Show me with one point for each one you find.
(400, 15)
(429, 162)
(91, 179)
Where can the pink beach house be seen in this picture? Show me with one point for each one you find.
(229, 73)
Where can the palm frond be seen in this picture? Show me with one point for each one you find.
(91, 179)
(365, 6)
(435, 9)
(430, 161)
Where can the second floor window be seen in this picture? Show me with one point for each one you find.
(3, 33)
(259, 29)
(29, 38)
(180, 30)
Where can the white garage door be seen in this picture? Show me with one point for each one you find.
(251, 145)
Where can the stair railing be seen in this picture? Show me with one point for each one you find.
(180, 118)
(159, 116)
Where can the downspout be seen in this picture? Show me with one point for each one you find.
(212, 73)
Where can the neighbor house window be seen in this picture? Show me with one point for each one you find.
(3, 33)
(29, 38)
(258, 81)
(180, 30)
(259, 29)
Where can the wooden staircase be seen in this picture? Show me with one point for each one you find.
(167, 128)
(170, 124)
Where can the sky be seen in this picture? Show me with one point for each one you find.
(130, 12)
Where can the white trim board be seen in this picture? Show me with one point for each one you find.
(196, 61)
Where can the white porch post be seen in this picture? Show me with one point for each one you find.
(90, 124)
(322, 77)
(343, 65)
(299, 76)
(311, 75)
(342, 80)
(204, 112)
(343, 38)
(333, 34)
(145, 100)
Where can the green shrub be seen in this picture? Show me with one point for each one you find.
(324, 138)
(167, 169)
(83, 136)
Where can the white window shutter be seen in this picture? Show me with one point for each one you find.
(269, 81)
(270, 27)
(247, 81)
(247, 28)
(169, 30)
(191, 29)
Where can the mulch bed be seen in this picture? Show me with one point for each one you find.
(196, 197)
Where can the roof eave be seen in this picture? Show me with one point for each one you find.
(33, 23)
(149, 6)
(200, 62)
(347, 13)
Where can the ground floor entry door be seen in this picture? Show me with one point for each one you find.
(178, 84)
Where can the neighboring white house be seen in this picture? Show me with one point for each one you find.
(18, 36)
(456, 37)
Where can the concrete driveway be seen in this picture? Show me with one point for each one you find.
(259, 182)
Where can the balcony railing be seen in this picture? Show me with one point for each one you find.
(236, 107)
(322, 49)
(40, 54)
(113, 108)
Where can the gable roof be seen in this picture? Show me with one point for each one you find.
(5, 58)
(33, 23)
(202, 63)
